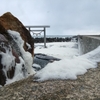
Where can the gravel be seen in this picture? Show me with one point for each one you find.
(86, 87)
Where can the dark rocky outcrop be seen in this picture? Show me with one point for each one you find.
(9, 47)
(55, 39)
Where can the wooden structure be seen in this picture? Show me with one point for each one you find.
(39, 29)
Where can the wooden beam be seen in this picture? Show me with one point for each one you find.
(44, 37)
(37, 26)
(36, 30)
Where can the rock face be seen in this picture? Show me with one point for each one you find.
(16, 48)
(9, 22)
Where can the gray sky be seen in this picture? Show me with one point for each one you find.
(64, 16)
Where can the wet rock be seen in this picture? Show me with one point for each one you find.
(40, 62)
(2, 78)
(10, 72)
(46, 57)
(7, 70)
(43, 60)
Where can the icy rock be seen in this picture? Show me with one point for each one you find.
(12, 56)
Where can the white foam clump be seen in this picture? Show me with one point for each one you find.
(69, 67)
(19, 74)
(25, 55)
(8, 60)
(65, 69)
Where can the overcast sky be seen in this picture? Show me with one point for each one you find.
(64, 16)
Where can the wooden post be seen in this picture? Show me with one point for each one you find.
(29, 29)
(44, 37)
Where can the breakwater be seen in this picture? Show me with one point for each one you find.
(88, 43)
(55, 39)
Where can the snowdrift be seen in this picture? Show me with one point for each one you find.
(71, 65)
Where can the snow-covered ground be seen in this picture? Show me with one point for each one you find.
(58, 49)
(71, 63)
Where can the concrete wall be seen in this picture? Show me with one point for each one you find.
(88, 43)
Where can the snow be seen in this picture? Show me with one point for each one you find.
(29, 47)
(93, 55)
(71, 63)
(18, 72)
(22, 69)
(26, 55)
(8, 60)
(58, 49)
(36, 66)
(5, 58)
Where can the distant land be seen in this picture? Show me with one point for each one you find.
(53, 36)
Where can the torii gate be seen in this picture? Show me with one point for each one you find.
(43, 29)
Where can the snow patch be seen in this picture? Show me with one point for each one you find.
(65, 69)
(19, 72)
(26, 55)
(93, 55)
(36, 67)
(71, 65)
(8, 60)
(58, 49)
(28, 45)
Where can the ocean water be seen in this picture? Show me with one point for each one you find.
(53, 36)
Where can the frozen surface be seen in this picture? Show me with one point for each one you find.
(71, 65)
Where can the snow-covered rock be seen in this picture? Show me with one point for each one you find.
(16, 50)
